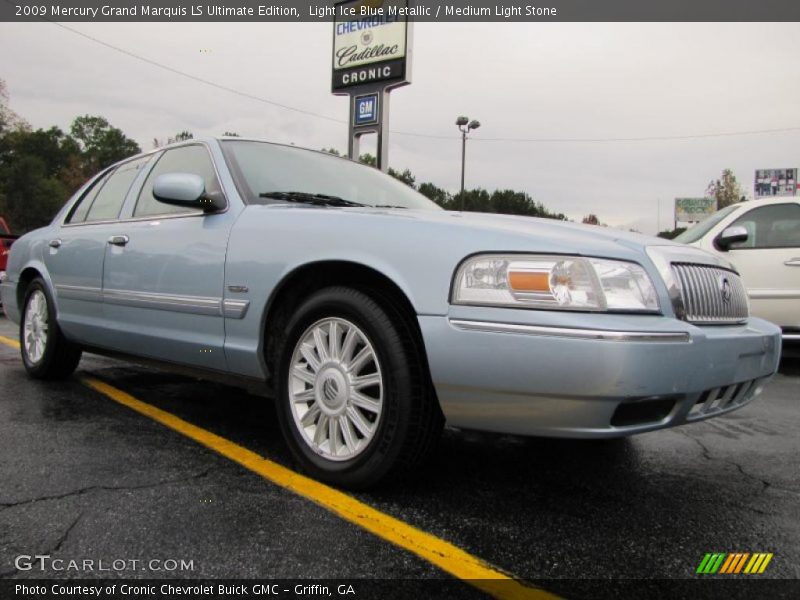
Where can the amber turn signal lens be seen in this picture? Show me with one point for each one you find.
(529, 281)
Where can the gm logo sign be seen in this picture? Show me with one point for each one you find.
(365, 110)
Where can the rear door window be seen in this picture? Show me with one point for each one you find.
(110, 197)
(81, 209)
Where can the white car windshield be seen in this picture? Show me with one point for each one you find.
(273, 173)
(693, 234)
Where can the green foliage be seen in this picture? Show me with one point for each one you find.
(671, 234)
(101, 144)
(726, 190)
(231, 134)
(406, 177)
(507, 202)
(40, 169)
(182, 136)
(368, 159)
(435, 193)
(31, 167)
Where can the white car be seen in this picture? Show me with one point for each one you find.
(762, 239)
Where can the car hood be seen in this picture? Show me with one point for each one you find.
(509, 230)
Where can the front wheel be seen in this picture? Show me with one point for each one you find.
(46, 353)
(354, 402)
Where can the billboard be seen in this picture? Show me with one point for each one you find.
(775, 182)
(692, 210)
(370, 43)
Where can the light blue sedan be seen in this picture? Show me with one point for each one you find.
(372, 316)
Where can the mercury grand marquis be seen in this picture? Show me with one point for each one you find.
(372, 316)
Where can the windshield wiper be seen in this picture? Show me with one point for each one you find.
(309, 198)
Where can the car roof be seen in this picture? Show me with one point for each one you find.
(770, 200)
(222, 138)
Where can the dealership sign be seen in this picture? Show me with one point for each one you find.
(692, 210)
(371, 57)
(370, 43)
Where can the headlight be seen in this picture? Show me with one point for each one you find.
(554, 282)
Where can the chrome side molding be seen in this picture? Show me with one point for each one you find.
(235, 309)
(196, 305)
(565, 332)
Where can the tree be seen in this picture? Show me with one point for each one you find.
(231, 134)
(36, 175)
(181, 136)
(368, 159)
(437, 194)
(670, 234)
(101, 144)
(726, 190)
(333, 151)
(8, 118)
(591, 219)
(406, 177)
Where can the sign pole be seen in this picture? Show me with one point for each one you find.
(371, 57)
(383, 133)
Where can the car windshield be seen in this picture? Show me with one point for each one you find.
(693, 234)
(271, 173)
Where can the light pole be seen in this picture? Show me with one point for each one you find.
(464, 126)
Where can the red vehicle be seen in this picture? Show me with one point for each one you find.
(6, 239)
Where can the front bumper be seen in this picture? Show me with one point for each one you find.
(591, 376)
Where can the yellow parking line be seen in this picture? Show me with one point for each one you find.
(9, 342)
(446, 556)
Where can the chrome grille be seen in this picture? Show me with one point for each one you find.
(711, 295)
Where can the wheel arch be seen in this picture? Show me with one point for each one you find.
(308, 278)
(28, 273)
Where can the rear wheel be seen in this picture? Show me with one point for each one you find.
(46, 353)
(354, 401)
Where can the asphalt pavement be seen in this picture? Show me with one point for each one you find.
(85, 478)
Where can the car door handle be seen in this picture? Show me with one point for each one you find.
(118, 240)
(55, 243)
(793, 262)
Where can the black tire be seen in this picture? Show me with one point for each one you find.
(60, 356)
(410, 423)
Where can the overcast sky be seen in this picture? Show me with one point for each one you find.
(520, 80)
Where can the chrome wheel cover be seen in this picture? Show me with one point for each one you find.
(335, 389)
(35, 327)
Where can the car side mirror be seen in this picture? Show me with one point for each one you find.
(186, 189)
(730, 236)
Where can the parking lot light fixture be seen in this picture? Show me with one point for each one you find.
(464, 126)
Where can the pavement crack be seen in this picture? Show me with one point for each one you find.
(106, 488)
(707, 455)
(65, 535)
(56, 548)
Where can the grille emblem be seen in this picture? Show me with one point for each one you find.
(725, 289)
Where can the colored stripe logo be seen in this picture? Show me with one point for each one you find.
(734, 563)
